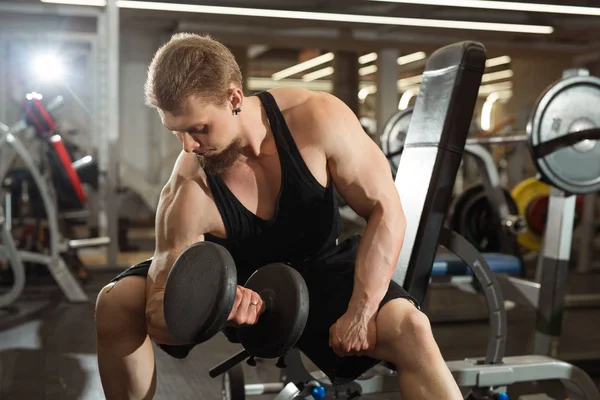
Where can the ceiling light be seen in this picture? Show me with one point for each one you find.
(407, 59)
(367, 58)
(303, 66)
(495, 87)
(321, 73)
(505, 5)
(96, 3)
(497, 76)
(331, 17)
(494, 62)
(371, 69)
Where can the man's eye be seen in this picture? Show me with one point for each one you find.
(204, 129)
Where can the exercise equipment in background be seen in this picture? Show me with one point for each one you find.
(547, 294)
(531, 198)
(486, 215)
(476, 218)
(568, 107)
(393, 136)
(56, 248)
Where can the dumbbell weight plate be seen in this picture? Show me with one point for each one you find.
(194, 310)
(279, 328)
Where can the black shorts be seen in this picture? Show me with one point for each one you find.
(330, 280)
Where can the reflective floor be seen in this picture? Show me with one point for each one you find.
(50, 352)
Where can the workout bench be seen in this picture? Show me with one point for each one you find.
(432, 154)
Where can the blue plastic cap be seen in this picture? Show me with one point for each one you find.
(502, 396)
(318, 393)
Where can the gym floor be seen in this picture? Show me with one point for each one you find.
(51, 354)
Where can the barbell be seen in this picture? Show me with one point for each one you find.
(561, 134)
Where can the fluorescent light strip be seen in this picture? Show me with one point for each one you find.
(496, 87)
(257, 84)
(303, 66)
(321, 73)
(505, 5)
(371, 69)
(496, 76)
(366, 91)
(95, 3)
(331, 17)
(367, 58)
(409, 58)
(410, 81)
(406, 97)
(494, 62)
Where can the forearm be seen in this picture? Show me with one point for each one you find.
(155, 292)
(155, 319)
(376, 259)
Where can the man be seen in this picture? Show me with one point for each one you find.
(256, 175)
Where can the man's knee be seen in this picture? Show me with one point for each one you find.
(120, 307)
(404, 325)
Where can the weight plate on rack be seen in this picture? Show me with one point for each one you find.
(473, 217)
(568, 106)
(525, 194)
(393, 137)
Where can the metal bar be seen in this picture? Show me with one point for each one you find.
(62, 275)
(552, 272)
(15, 262)
(470, 373)
(587, 228)
(499, 139)
(87, 243)
(8, 211)
(587, 300)
(520, 291)
(49, 9)
(491, 290)
(108, 31)
(256, 389)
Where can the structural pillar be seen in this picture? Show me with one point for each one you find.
(107, 125)
(241, 56)
(346, 79)
(386, 98)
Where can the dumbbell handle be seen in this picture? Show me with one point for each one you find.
(265, 298)
(228, 364)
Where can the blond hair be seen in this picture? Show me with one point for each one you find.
(190, 65)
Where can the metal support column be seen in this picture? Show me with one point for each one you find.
(588, 232)
(4, 98)
(387, 88)
(107, 125)
(552, 272)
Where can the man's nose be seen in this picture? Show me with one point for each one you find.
(189, 144)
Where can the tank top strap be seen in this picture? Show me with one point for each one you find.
(289, 153)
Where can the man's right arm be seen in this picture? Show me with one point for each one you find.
(181, 221)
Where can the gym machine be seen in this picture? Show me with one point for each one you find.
(11, 145)
(568, 107)
(434, 146)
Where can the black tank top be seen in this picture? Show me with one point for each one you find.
(306, 220)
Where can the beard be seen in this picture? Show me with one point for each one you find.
(214, 164)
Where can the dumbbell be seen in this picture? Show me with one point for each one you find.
(200, 293)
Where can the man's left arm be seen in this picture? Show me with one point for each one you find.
(363, 177)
